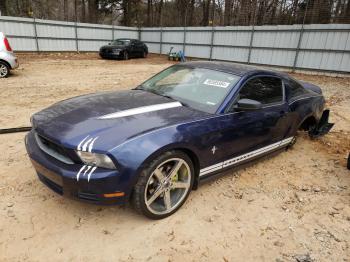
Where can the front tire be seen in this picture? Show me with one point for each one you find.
(164, 185)
(4, 70)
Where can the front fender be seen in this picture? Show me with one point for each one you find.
(134, 155)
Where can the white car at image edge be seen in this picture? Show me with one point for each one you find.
(8, 60)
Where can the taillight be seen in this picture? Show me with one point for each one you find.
(7, 45)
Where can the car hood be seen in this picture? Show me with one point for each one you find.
(111, 118)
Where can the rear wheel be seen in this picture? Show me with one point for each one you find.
(4, 70)
(164, 186)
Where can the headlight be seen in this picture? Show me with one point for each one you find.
(94, 159)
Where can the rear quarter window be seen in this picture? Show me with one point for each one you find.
(294, 89)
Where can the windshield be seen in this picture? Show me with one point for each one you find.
(199, 88)
(121, 42)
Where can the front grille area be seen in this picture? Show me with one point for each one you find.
(53, 149)
(88, 196)
(53, 146)
(106, 51)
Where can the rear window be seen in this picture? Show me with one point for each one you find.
(121, 42)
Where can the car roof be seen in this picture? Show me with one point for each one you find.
(131, 39)
(229, 67)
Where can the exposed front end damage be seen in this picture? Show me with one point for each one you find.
(322, 127)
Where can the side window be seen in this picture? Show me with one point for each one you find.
(294, 89)
(266, 90)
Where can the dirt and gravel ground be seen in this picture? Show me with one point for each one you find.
(292, 207)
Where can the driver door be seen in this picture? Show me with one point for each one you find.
(256, 129)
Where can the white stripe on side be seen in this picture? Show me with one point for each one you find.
(287, 141)
(244, 157)
(211, 169)
(140, 110)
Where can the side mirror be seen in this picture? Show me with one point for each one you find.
(109, 43)
(247, 105)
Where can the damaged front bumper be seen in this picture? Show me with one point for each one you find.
(322, 127)
(105, 186)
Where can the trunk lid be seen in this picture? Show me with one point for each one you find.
(311, 87)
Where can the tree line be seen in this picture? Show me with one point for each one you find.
(149, 13)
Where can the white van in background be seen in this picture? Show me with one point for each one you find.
(8, 60)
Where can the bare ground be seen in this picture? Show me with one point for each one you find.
(295, 205)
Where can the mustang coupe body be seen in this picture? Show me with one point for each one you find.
(155, 143)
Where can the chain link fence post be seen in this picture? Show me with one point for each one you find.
(212, 42)
(300, 39)
(36, 35)
(76, 36)
(112, 32)
(251, 44)
(212, 31)
(184, 42)
(76, 26)
(301, 32)
(161, 41)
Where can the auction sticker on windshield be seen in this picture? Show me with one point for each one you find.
(218, 83)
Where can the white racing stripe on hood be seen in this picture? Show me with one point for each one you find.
(81, 142)
(86, 144)
(141, 110)
(92, 144)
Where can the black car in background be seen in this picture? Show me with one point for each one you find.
(124, 49)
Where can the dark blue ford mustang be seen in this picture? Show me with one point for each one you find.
(155, 143)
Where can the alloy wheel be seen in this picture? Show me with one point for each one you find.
(167, 186)
(3, 70)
